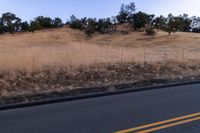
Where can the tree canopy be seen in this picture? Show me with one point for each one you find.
(139, 20)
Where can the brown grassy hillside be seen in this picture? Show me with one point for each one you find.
(63, 60)
(68, 47)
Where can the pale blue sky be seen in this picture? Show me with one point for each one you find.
(29, 9)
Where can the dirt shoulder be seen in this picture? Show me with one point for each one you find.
(22, 86)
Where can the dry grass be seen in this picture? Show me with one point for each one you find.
(67, 47)
(58, 60)
(60, 79)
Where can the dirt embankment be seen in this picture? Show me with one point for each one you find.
(58, 80)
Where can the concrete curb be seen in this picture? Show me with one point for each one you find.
(94, 95)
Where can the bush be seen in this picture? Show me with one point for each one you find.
(34, 25)
(91, 26)
(104, 26)
(25, 26)
(57, 22)
(149, 31)
(196, 30)
(90, 30)
(76, 24)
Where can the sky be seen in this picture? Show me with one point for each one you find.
(29, 9)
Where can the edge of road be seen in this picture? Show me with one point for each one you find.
(122, 89)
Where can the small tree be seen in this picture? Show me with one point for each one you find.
(75, 23)
(140, 20)
(104, 26)
(57, 22)
(48, 22)
(9, 20)
(25, 26)
(160, 22)
(34, 25)
(170, 24)
(195, 24)
(1, 26)
(149, 28)
(186, 23)
(44, 22)
(17, 24)
(91, 26)
(125, 12)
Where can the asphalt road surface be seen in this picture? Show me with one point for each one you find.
(168, 110)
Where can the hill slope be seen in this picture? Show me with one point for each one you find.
(62, 61)
(68, 47)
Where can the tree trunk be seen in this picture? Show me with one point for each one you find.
(169, 33)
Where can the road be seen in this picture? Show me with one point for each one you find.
(168, 110)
